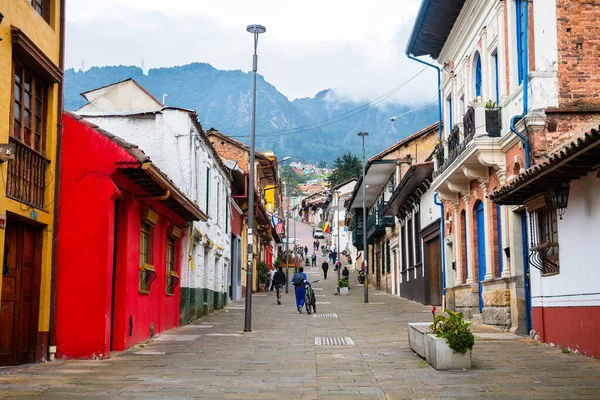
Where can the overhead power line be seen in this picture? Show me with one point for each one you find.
(340, 117)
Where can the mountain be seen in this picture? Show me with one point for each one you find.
(303, 129)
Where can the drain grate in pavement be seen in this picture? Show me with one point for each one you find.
(334, 341)
(325, 315)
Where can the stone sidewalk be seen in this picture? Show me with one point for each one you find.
(214, 359)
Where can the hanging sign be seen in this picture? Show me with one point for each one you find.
(7, 151)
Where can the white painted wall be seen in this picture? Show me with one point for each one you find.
(481, 28)
(578, 283)
(173, 143)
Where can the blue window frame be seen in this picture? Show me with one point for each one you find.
(449, 100)
(499, 225)
(520, 24)
(478, 77)
(496, 77)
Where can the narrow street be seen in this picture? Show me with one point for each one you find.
(279, 359)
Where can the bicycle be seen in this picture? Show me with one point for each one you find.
(310, 300)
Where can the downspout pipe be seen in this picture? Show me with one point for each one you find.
(439, 79)
(58, 162)
(525, 65)
(437, 202)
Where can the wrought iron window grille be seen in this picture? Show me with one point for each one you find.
(543, 234)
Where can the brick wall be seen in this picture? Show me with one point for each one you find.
(578, 37)
(228, 151)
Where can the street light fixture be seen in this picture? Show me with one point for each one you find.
(364, 224)
(255, 30)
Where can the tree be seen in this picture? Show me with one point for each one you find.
(346, 167)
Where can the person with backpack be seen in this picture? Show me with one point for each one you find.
(279, 282)
(298, 281)
(314, 259)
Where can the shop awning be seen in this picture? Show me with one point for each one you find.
(377, 174)
(572, 161)
(417, 177)
(432, 27)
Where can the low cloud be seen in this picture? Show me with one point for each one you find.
(361, 68)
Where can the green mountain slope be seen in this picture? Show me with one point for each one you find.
(223, 100)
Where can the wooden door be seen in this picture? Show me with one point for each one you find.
(435, 270)
(20, 293)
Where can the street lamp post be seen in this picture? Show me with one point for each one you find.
(287, 238)
(339, 248)
(364, 224)
(255, 30)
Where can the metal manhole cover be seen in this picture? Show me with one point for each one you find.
(325, 315)
(334, 341)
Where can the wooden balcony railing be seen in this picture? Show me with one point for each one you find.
(27, 176)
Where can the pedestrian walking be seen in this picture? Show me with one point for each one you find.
(325, 268)
(314, 259)
(271, 274)
(278, 282)
(305, 251)
(298, 281)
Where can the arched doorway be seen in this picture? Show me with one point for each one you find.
(479, 217)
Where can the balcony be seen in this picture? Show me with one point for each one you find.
(27, 176)
(478, 123)
(357, 231)
(470, 151)
(376, 224)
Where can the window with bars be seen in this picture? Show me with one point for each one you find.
(411, 250)
(544, 247)
(171, 273)
(417, 226)
(29, 94)
(146, 268)
(388, 256)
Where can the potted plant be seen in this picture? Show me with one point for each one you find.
(262, 276)
(450, 343)
(343, 286)
(493, 119)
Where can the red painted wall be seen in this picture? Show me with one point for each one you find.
(90, 184)
(236, 222)
(575, 328)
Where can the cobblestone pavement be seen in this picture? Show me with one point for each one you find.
(214, 359)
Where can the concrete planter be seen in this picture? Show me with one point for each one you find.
(343, 291)
(442, 357)
(416, 337)
(435, 350)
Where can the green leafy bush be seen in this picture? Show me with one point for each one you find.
(262, 272)
(343, 282)
(455, 330)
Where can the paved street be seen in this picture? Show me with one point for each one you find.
(213, 358)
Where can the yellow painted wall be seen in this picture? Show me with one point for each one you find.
(46, 36)
(271, 191)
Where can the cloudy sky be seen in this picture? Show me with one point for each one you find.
(356, 47)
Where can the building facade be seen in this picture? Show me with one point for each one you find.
(515, 84)
(177, 143)
(120, 270)
(267, 198)
(384, 172)
(31, 85)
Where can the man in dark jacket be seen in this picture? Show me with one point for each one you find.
(278, 282)
(325, 267)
